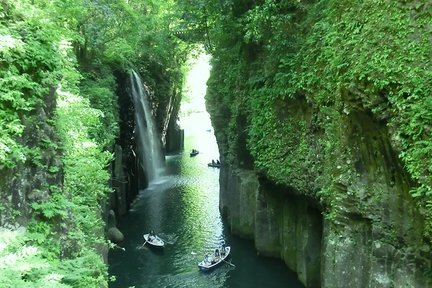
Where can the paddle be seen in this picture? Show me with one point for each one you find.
(229, 263)
(142, 244)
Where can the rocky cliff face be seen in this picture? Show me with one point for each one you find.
(282, 224)
(31, 179)
(370, 235)
(319, 114)
(375, 236)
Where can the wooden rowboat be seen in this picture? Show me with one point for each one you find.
(211, 262)
(154, 240)
(214, 165)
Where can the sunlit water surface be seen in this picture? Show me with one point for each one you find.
(182, 208)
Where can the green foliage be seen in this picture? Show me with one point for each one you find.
(86, 178)
(56, 207)
(320, 61)
(22, 265)
(373, 57)
(37, 55)
(100, 90)
(57, 96)
(84, 271)
(269, 138)
(28, 66)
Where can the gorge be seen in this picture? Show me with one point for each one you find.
(321, 112)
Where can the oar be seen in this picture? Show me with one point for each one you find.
(121, 248)
(229, 263)
(142, 244)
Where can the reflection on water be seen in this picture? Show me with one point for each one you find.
(182, 208)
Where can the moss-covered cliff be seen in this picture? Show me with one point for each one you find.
(330, 101)
(61, 69)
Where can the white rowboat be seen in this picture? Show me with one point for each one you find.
(154, 240)
(211, 262)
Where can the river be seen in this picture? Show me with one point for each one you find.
(182, 208)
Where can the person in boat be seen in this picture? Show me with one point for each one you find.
(207, 259)
(217, 162)
(223, 250)
(216, 256)
(213, 162)
(151, 235)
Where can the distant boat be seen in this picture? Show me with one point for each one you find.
(211, 262)
(154, 240)
(194, 153)
(215, 165)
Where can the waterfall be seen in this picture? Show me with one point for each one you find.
(148, 142)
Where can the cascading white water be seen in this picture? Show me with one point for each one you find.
(150, 154)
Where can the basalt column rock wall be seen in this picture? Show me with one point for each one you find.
(282, 224)
(124, 168)
(368, 233)
(373, 231)
(322, 116)
(30, 180)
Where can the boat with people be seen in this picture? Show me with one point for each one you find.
(219, 257)
(153, 240)
(194, 152)
(214, 164)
